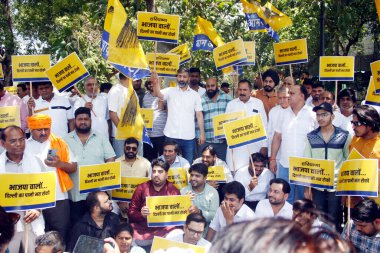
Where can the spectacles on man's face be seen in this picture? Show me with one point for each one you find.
(131, 148)
(194, 232)
(357, 123)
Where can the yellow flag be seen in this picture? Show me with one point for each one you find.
(268, 13)
(377, 3)
(123, 42)
(131, 122)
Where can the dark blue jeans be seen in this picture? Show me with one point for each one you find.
(296, 191)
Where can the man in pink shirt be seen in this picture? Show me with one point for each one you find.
(7, 99)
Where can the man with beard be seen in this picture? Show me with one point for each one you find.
(184, 104)
(139, 90)
(195, 81)
(276, 204)
(268, 95)
(316, 92)
(251, 106)
(206, 198)
(57, 157)
(98, 105)
(365, 227)
(89, 148)
(138, 211)
(160, 115)
(98, 221)
(57, 107)
(214, 102)
(210, 158)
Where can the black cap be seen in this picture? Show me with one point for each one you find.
(324, 106)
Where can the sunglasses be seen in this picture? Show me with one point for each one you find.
(130, 148)
(357, 123)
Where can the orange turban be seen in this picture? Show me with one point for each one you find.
(39, 121)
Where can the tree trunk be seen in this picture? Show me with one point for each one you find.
(10, 42)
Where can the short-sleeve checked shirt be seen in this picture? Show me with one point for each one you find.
(211, 109)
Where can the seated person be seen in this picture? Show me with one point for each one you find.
(51, 242)
(192, 232)
(364, 227)
(231, 210)
(256, 186)
(138, 211)
(99, 221)
(276, 204)
(172, 155)
(124, 239)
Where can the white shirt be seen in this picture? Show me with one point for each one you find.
(117, 97)
(273, 123)
(177, 236)
(244, 214)
(29, 164)
(201, 91)
(60, 111)
(241, 154)
(41, 150)
(182, 106)
(25, 99)
(260, 191)
(264, 209)
(100, 107)
(293, 130)
(219, 162)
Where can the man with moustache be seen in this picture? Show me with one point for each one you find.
(138, 211)
(195, 81)
(214, 102)
(184, 104)
(268, 94)
(89, 147)
(251, 106)
(316, 91)
(346, 102)
(62, 163)
(160, 115)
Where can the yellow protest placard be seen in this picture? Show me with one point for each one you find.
(216, 173)
(290, 52)
(147, 115)
(244, 131)
(336, 68)
(183, 52)
(178, 176)
(9, 115)
(168, 210)
(161, 245)
(375, 69)
(67, 72)
(219, 120)
(99, 177)
(128, 187)
(358, 177)
(1, 72)
(158, 27)
(251, 53)
(229, 54)
(25, 191)
(166, 64)
(11, 89)
(30, 68)
(354, 154)
(372, 98)
(311, 172)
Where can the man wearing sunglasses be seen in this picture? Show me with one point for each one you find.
(366, 125)
(16, 160)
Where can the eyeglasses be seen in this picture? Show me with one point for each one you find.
(357, 123)
(194, 232)
(131, 148)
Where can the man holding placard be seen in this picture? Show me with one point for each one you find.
(57, 157)
(58, 107)
(256, 183)
(366, 125)
(251, 106)
(184, 104)
(138, 211)
(330, 143)
(297, 121)
(16, 160)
